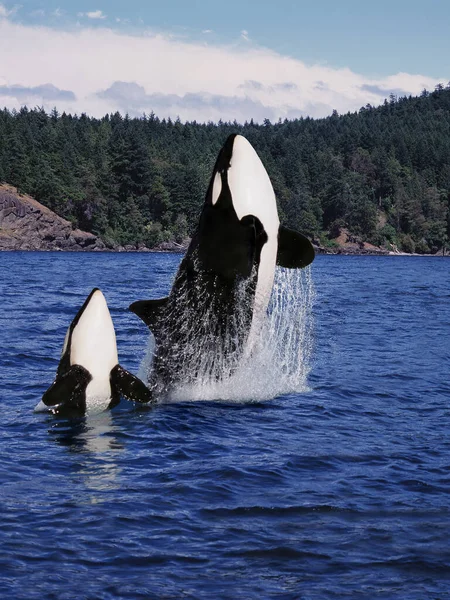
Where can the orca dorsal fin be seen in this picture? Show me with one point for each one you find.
(67, 394)
(295, 251)
(129, 386)
(149, 310)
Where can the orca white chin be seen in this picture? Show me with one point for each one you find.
(250, 186)
(252, 194)
(94, 344)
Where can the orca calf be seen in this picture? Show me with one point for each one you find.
(214, 313)
(89, 376)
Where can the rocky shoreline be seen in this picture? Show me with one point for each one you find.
(27, 225)
(350, 245)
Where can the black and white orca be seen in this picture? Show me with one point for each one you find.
(214, 313)
(89, 377)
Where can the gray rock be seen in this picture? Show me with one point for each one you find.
(171, 247)
(25, 224)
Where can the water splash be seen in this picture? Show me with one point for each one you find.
(280, 360)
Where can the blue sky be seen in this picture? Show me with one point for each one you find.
(319, 55)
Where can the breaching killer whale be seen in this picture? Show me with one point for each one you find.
(88, 374)
(213, 315)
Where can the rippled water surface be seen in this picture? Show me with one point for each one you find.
(339, 491)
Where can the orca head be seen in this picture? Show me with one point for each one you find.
(93, 345)
(88, 357)
(93, 339)
(89, 377)
(240, 177)
(240, 212)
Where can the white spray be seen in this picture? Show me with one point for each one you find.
(280, 360)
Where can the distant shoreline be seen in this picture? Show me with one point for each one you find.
(28, 226)
(165, 251)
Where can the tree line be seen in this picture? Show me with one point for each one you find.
(383, 173)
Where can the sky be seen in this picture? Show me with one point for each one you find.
(205, 60)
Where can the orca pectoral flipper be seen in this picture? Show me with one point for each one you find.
(149, 310)
(129, 386)
(68, 392)
(295, 251)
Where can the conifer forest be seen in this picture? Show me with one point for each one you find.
(382, 173)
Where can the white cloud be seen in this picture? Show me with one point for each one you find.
(244, 35)
(94, 14)
(58, 13)
(100, 70)
(5, 12)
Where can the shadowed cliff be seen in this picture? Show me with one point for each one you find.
(25, 224)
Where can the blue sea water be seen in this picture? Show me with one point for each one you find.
(340, 491)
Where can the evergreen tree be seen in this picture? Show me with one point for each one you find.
(384, 173)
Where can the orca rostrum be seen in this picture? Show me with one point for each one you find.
(89, 377)
(214, 313)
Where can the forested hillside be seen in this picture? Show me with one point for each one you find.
(383, 173)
